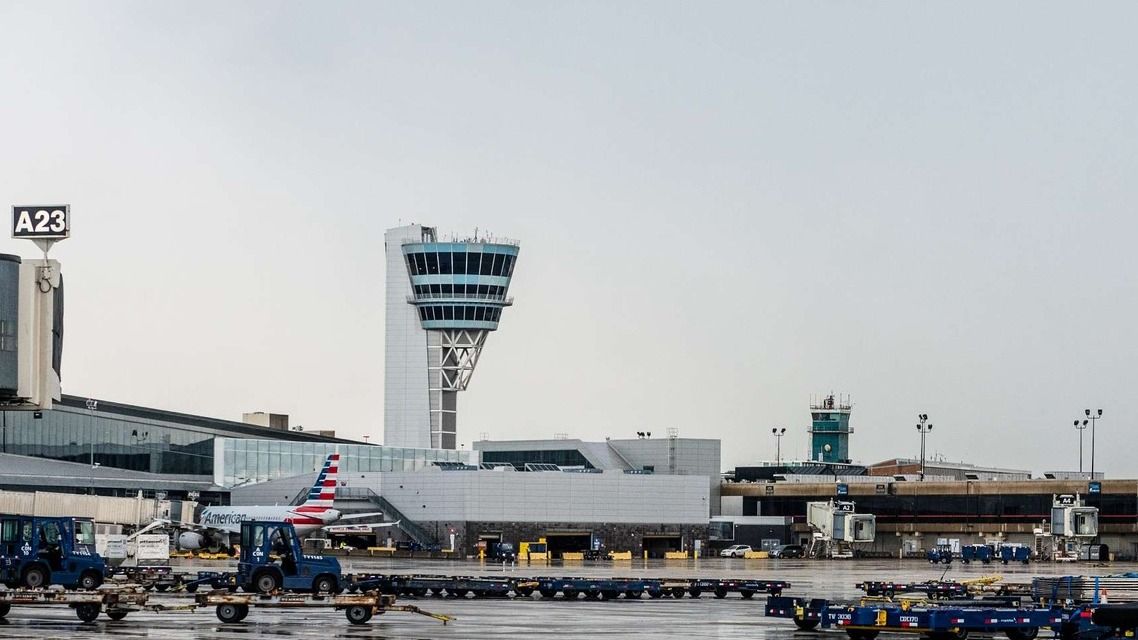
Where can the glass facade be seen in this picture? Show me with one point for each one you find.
(453, 258)
(459, 312)
(460, 285)
(475, 291)
(107, 440)
(126, 437)
(559, 457)
(246, 461)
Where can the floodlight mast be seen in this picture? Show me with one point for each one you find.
(924, 427)
(778, 433)
(1093, 417)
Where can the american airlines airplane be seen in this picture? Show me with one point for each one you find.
(219, 524)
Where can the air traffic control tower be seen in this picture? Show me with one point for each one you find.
(830, 430)
(443, 299)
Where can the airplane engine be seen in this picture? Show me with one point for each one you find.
(191, 540)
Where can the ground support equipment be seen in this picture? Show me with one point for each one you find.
(934, 589)
(866, 621)
(746, 588)
(358, 607)
(422, 586)
(117, 602)
(571, 588)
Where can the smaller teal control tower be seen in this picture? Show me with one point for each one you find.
(830, 429)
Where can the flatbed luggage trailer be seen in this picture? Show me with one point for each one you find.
(87, 604)
(571, 588)
(230, 607)
(865, 622)
(358, 608)
(634, 588)
(423, 586)
(746, 588)
(932, 588)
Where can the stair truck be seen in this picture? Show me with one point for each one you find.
(37, 551)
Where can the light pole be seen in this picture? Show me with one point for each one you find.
(1081, 426)
(924, 427)
(91, 406)
(1093, 418)
(778, 434)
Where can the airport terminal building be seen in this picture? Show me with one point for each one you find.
(913, 515)
(574, 507)
(119, 448)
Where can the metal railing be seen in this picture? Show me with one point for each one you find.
(461, 297)
(390, 512)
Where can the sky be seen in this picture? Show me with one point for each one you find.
(723, 208)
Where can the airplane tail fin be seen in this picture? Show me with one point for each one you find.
(323, 491)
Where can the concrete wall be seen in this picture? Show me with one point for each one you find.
(684, 456)
(613, 536)
(498, 496)
(731, 506)
(406, 410)
(495, 496)
(664, 456)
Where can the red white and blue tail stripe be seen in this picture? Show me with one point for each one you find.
(323, 492)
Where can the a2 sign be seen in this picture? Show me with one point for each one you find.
(45, 222)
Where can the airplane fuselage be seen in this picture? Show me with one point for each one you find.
(305, 519)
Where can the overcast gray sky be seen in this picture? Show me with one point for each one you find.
(723, 208)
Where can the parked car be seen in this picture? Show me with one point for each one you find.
(735, 551)
(788, 551)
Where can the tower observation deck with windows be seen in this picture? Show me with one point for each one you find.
(443, 299)
(830, 429)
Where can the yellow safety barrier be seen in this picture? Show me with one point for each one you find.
(756, 555)
(572, 556)
(620, 555)
(675, 555)
(371, 551)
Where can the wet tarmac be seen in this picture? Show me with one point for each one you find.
(706, 617)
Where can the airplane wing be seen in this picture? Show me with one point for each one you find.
(357, 516)
(155, 524)
(161, 523)
(359, 528)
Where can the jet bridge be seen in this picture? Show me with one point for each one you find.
(837, 527)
